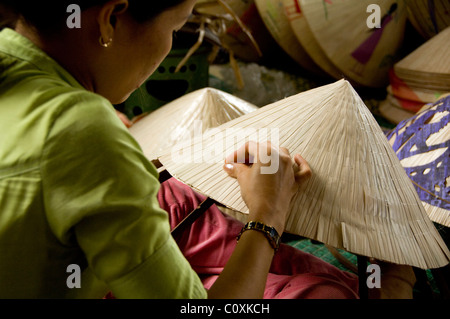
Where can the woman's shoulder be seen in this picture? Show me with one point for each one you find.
(42, 86)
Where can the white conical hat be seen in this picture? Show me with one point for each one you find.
(359, 197)
(363, 54)
(193, 113)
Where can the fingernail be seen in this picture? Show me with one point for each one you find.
(229, 167)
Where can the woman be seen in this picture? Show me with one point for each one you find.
(75, 189)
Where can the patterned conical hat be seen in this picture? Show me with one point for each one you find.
(363, 54)
(306, 38)
(274, 17)
(422, 144)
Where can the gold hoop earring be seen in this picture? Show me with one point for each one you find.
(103, 44)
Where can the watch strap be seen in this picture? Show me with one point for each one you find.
(269, 231)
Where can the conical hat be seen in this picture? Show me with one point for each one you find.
(429, 17)
(359, 197)
(405, 104)
(192, 113)
(274, 17)
(363, 54)
(306, 38)
(393, 113)
(422, 143)
(428, 66)
(400, 89)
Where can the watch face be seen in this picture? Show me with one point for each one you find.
(270, 232)
(275, 236)
(274, 232)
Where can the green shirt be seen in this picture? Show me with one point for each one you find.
(75, 189)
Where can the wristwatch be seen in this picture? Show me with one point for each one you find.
(269, 231)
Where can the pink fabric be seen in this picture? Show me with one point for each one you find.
(211, 239)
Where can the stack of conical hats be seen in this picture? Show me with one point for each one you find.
(182, 119)
(420, 78)
(333, 38)
(359, 198)
(273, 14)
(335, 35)
(304, 35)
(428, 67)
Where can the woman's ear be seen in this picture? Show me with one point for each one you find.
(107, 18)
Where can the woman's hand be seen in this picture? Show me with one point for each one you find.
(268, 178)
(267, 195)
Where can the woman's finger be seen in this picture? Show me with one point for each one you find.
(230, 169)
(235, 170)
(246, 154)
(302, 169)
(284, 150)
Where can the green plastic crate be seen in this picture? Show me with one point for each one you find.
(164, 85)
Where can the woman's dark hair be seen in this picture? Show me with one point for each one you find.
(50, 16)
